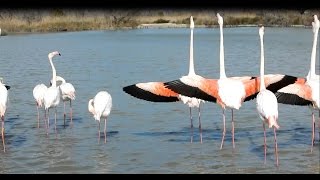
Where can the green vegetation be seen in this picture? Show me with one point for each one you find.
(55, 20)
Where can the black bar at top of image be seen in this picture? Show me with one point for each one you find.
(177, 4)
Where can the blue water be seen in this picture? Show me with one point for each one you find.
(147, 137)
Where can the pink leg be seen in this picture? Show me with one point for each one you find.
(105, 130)
(48, 119)
(200, 126)
(48, 116)
(55, 120)
(313, 128)
(191, 126)
(276, 145)
(265, 143)
(224, 128)
(71, 113)
(45, 120)
(38, 116)
(2, 133)
(64, 113)
(99, 133)
(232, 129)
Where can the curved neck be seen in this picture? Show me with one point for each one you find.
(90, 106)
(59, 78)
(54, 74)
(191, 63)
(312, 72)
(262, 85)
(222, 70)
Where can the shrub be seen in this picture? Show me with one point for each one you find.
(161, 21)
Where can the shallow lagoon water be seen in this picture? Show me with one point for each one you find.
(147, 137)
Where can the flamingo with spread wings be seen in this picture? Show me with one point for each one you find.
(305, 92)
(157, 92)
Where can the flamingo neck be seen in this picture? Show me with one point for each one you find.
(191, 63)
(90, 106)
(222, 70)
(312, 72)
(262, 85)
(59, 78)
(54, 74)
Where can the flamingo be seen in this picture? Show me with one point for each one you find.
(51, 97)
(7, 86)
(305, 92)
(100, 107)
(267, 104)
(3, 108)
(156, 92)
(38, 94)
(67, 91)
(228, 92)
(231, 92)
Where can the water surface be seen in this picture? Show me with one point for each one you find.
(147, 137)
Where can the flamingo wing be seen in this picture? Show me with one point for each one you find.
(273, 83)
(295, 94)
(205, 89)
(152, 91)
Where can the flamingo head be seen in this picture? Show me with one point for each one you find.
(91, 107)
(261, 31)
(59, 80)
(52, 54)
(316, 23)
(315, 17)
(220, 19)
(191, 22)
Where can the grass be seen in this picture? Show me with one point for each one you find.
(54, 20)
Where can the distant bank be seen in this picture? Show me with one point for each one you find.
(60, 20)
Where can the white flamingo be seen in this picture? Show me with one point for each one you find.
(52, 95)
(67, 91)
(100, 107)
(3, 108)
(38, 94)
(305, 92)
(267, 104)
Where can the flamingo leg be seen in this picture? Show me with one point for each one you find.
(55, 120)
(38, 116)
(265, 143)
(71, 112)
(191, 126)
(224, 128)
(2, 134)
(45, 121)
(64, 113)
(319, 125)
(105, 130)
(313, 129)
(232, 129)
(276, 146)
(200, 130)
(99, 133)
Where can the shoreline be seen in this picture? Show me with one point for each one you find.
(174, 25)
(154, 26)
